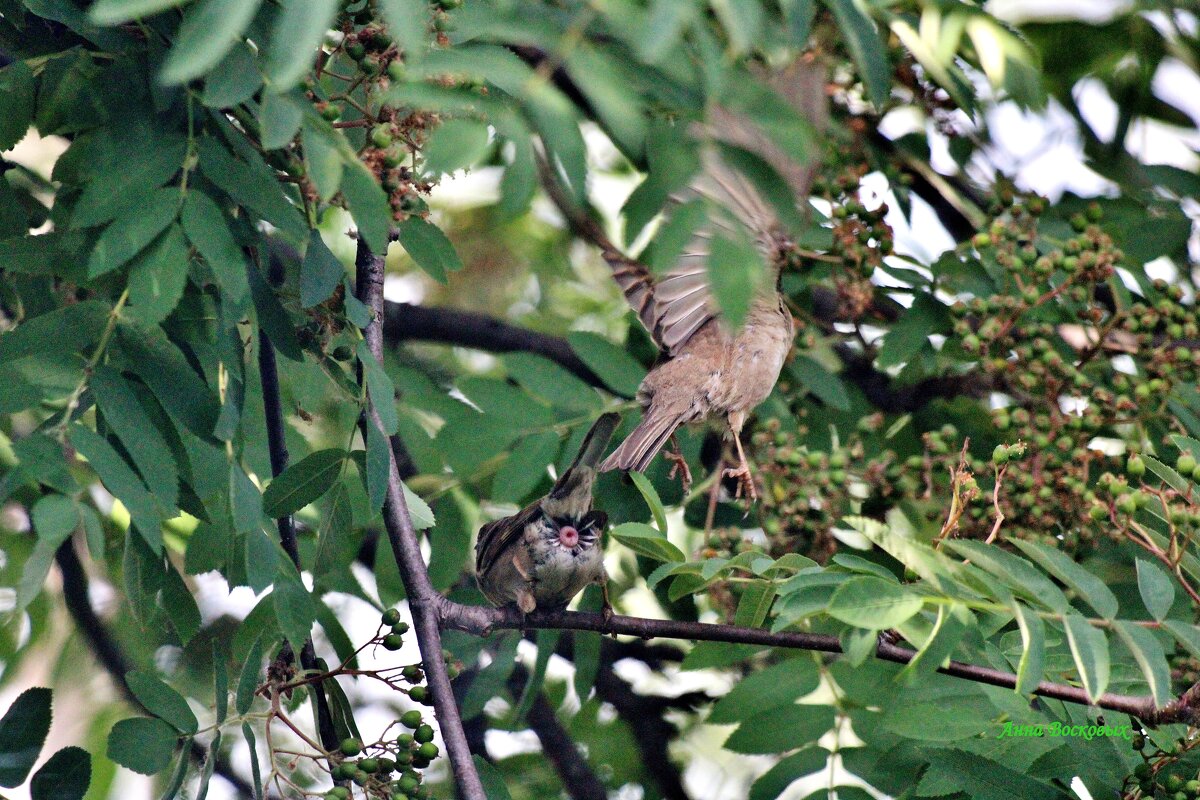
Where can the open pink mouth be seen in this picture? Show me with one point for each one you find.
(568, 536)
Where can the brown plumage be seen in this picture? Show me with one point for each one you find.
(708, 369)
(545, 554)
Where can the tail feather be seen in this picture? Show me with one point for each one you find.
(590, 452)
(640, 447)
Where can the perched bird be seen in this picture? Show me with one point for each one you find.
(546, 554)
(708, 369)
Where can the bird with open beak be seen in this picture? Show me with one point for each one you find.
(544, 555)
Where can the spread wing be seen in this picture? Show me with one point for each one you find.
(677, 305)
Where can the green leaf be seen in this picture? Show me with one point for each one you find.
(1158, 591)
(1089, 649)
(870, 602)
(782, 728)
(256, 776)
(778, 685)
(551, 382)
(418, 510)
(143, 744)
(322, 155)
(644, 540)
(378, 465)
(1017, 573)
(162, 701)
(54, 518)
(132, 231)
(1150, 659)
(491, 778)
(706, 655)
(209, 29)
(122, 482)
(867, 48)
(279, 116)
(248, 679)
(337, 544)
(1188, 635)
(245, 501)
(772, 783)
(320, 273)
(735, 269)
(251, 183)
(980, 778)
(180, 605)
(273, 317)
(293, 606)
(141, 438)
(754, 604)
(164, 368)
(653, 502)
(926, 316)
(299, 30)
(1168, 475)
(64, 776)
(525, 467)
(454, 145)
(23, 731)
(234, 80)
(619, 371)
(429, 247)
(17, 90)
(303, 482)
(368, 205)
(1093, 590)
(157, 278)
(382, 390)
(206, 228)
(827, 387)
(1033, 649)
(114, 12)
(408, 22)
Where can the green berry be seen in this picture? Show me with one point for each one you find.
(429, 751)
(400, 628)
(393, 641)
(418, 694)
(397, 71)
(361, 777)
(391, 616)
(408, 783)
(369, 765)
(351, 747)
(1186, 464)
(1135, 467)
(411, 719)
(423, 734)
(1000, 455)
(1173, 783)
(381, 136)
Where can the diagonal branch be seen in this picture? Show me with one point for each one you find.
(480, 621)
(578, 779)
(108, 652)
(277, 446)
(423, 600)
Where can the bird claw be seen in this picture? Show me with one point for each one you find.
(745, 481)
(679, 466)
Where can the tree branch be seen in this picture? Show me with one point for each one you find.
(108, 652)
(480, 621)
(406, 322)
(578, 779)
(276, 444)
(423, 600)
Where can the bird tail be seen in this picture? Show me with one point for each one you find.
(589, 455)
(640, 447)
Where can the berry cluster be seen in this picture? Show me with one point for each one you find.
(390, 769)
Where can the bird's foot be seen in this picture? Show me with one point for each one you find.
(679, 466)
(745, 481)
